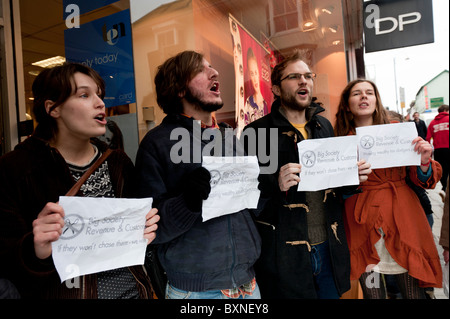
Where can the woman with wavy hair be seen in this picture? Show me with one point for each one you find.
(386, 227)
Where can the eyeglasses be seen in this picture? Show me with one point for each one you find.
(298, 76)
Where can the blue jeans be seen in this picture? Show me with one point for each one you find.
(175, 293)
(323, 272)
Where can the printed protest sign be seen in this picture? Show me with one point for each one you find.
(100, 234)
(234, 185)
(327, 163)
(388, 145)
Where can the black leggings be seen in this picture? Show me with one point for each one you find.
(374, 286)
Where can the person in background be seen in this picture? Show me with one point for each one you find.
(202, 260)
(69, 110)
(438, 135)
(420, 125)
(304, 250)
(385, 221)
(113, 136)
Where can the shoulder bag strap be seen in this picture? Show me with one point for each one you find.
(75, 188)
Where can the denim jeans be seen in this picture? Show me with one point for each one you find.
(323, 272)
(175, 293)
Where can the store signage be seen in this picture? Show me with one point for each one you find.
(390, 24)
(83, 6)
(106, 46)
(436, 102)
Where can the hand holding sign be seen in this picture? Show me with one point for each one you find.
(101, 234)
(288, 176)
(47, 227)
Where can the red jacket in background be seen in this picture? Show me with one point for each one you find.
(438, 131)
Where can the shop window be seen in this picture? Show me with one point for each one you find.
(291, 15)
(166, 38)
(285, 15)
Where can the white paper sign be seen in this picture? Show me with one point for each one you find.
(234, 185)
(100, 234)
(388, 145)
(328, 162)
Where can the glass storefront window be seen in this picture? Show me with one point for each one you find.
(272, 28)
(43, 38)
(162, 28)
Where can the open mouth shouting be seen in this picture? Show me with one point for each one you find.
(303, 92)
(364, 105)
(215, 88)
(101, 118)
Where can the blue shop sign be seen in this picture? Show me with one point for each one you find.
(106, 46)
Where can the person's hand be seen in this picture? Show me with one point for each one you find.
(363, 170)
(47, 228)
(445, 254)
(150, 225)
(196, 187)
(289, 176)
(425, 150)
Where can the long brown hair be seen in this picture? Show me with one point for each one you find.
(345, 124)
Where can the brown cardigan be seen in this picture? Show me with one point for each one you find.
(30, 176)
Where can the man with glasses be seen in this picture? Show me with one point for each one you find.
(304, 248)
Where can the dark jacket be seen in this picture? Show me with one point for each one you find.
(196, 255)
(421, 128)
(284, 269)
(30, 176)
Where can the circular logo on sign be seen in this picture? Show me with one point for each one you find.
(73, 226)
(367, 142)
(308, 159)
(215, 178)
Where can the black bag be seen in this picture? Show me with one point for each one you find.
(155, 271)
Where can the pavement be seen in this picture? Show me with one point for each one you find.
(438, 209)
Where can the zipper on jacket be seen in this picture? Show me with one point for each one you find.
(233, 249)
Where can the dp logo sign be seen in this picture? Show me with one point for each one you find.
(390, 24)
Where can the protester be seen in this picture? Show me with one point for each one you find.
(113, 136)
(202, 260)
(304, 250)
(420, 125)
(438, 135)
(385, 221)
(69, 110)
